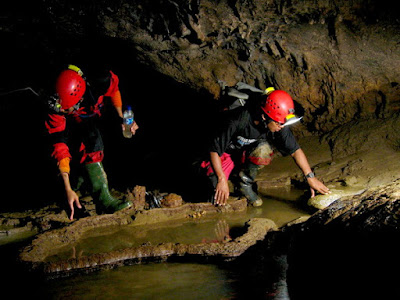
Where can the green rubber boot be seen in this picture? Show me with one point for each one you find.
(101, 193)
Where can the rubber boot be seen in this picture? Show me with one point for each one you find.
(100, 190)
(247, 179)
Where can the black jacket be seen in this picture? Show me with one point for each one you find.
(238, 130)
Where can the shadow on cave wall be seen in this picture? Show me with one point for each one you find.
(175, 123)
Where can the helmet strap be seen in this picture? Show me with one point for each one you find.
(78, 104)
(265, 120)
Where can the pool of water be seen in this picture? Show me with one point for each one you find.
(149, 281)
(188, 231)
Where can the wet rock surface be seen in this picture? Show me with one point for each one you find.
(171, 200)
(375, 210)
(354, 241)
(257, 229)
(322, 201)
(48, 243)
(50, 217)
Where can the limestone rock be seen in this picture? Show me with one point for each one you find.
(171, 200)
(138, 197)
(339, 59)
(323, 201)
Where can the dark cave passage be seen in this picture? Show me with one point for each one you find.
(174, 123)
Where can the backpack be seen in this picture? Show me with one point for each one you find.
(238, 96)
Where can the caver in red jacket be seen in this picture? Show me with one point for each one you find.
(71, 122)
(80, 123)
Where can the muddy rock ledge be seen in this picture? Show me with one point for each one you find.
(48, 243)
(348, 250)
(373, 212)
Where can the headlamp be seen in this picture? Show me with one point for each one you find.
(291, 119)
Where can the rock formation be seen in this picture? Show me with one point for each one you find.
(339, 59)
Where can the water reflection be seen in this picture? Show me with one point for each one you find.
(178, 281)
(221, 233)
(279, 289)
(151, 281)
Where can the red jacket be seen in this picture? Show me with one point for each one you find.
(56, 122)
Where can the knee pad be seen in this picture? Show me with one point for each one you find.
(261, 154)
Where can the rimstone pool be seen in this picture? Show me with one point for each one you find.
(203, 229)
(175, 279)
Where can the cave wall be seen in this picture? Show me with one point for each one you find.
(339, 59)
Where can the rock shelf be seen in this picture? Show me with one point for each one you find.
(48, 243)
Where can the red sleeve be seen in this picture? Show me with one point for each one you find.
(116, 99)
(55, 123)
(113, 88)
(61, 151)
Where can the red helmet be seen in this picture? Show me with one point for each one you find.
(70, 87)
(279, 106)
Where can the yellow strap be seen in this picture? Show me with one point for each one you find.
(76, 69)
(269, 90)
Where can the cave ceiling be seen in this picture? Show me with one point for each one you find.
(338, 59)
